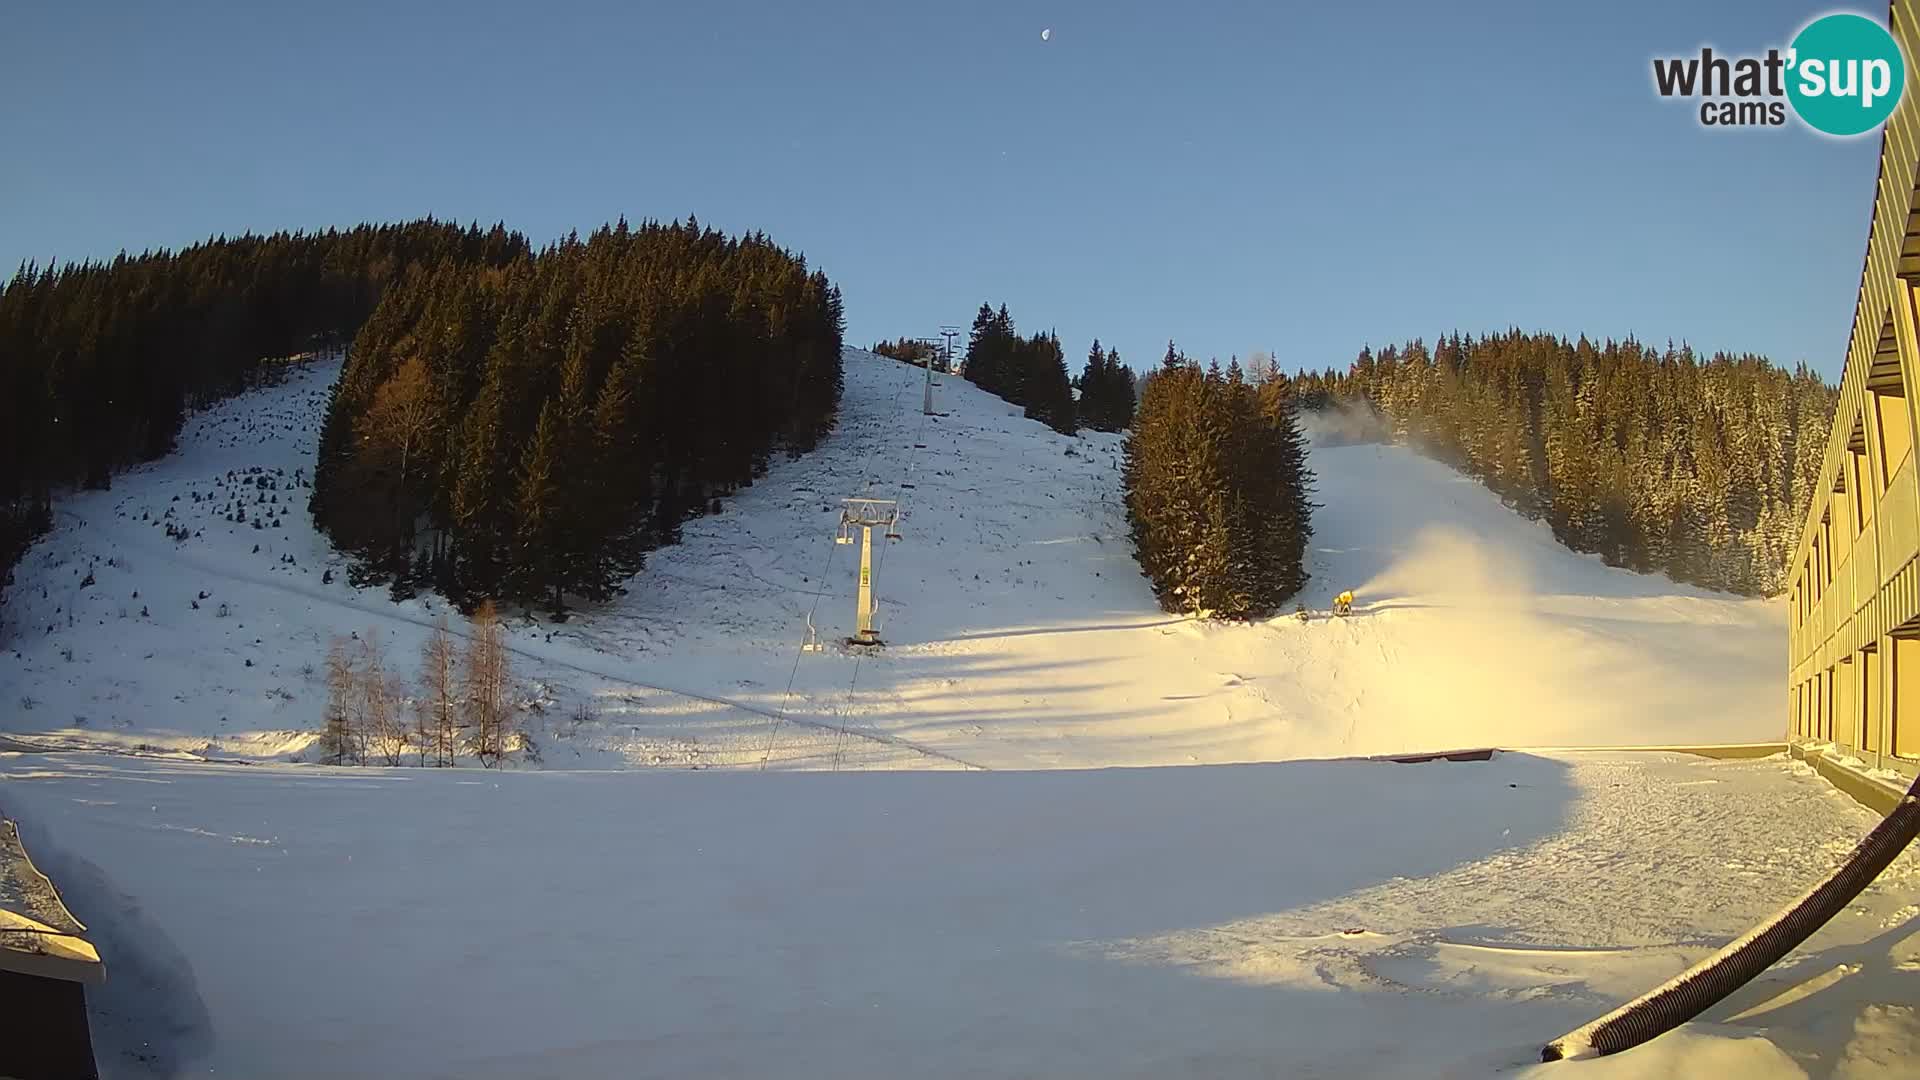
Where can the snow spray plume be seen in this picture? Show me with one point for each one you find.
(1698, 988)
(1442, 554)
(1358, 421)
(1345, 423)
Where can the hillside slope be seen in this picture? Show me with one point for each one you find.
(1020, 633)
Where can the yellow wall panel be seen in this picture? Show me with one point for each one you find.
(1906, 697)
(1843, 728)
(1896, 437)
(1871, 693)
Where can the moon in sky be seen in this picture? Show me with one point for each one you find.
(1047, 34)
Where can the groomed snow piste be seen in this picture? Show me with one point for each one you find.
(1021, 633)
(1349, 919)
(1041, 915)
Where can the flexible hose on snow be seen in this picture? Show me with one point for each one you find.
(1698, 988)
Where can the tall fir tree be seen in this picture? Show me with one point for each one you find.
(540, 555)
(1125, 393)
(1106, 391)
(1049, 390)
(1217, 492)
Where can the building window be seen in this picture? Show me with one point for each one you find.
(1859, 476)
(1824, 543)
(1826, 707)
(1896, 434)
(1904, 680)
(1870, 691)
(1857, 480)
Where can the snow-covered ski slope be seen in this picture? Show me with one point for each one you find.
(1020, 634)
(1298, 919)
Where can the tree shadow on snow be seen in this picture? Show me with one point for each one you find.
(677, 923)
(1017, 894)
(990, 635)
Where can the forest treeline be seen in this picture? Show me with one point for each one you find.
(1655, 459)
(911, 351)
(100, 361)
(1108, 391)
(1219, 497)
(527, 432)
(1032, 372)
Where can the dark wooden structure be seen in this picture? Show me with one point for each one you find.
(46, 964)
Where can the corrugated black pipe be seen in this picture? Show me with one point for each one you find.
(1698, 988)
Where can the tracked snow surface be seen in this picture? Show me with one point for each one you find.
(600, 908)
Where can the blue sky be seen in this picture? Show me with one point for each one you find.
(1231, 175)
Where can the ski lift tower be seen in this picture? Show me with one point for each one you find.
(948, 333)
(926, 407)
(864, 514)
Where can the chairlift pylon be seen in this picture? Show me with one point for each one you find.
(864, 514)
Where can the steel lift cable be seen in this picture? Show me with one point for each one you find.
(781, 714)
(910, 462)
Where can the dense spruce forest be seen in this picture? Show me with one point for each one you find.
(1655, 459)
(1107, 391)
(1217, 489)
(528, 431)
(1026, 371)
(1031, 372)
(100, 361)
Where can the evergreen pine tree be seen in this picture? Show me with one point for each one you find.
(1095, 387)
(1217, 492)
(978, 367)
(1124, 393)
(540, 524)
(1049, 391)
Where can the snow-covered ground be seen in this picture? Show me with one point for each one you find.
(1053, 916)
(1350, 919)
(1021, 633)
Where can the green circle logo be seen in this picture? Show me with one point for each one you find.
(1845, 74)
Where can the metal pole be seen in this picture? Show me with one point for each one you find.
(864, 514)
(865, 612)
